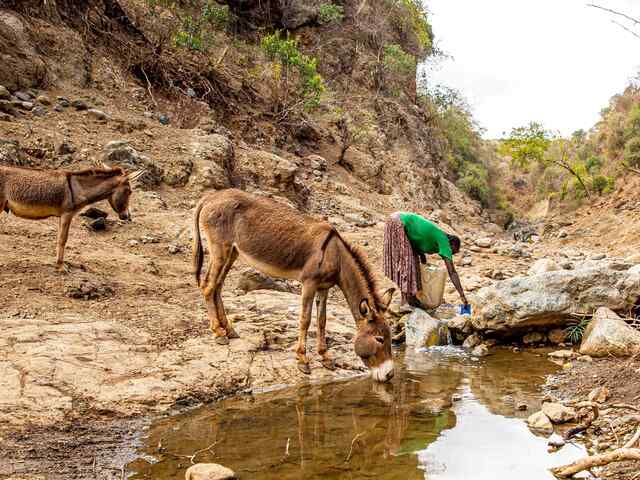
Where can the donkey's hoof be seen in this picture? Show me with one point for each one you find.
(304, 368)
(222, 340)
(329, 363)
(63, 268)
(231, 333)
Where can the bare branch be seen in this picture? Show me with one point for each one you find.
(620, 14)
(618, 455)
(626, 28)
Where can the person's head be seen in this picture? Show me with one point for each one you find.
(455, 243)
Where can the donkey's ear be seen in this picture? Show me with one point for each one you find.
(133, 177)
(385, 299)
(365, 309)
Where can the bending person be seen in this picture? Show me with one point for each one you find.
(409, 237)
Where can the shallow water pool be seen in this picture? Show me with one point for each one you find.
(409, 429)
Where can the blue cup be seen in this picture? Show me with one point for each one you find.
(465, 309)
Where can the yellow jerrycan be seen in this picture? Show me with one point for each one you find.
(433, 280)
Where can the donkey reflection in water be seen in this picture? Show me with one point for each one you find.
(37, 194)
(281, 242)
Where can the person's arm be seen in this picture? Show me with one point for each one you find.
(455, 279)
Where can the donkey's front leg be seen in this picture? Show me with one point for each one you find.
(321, 307)
(63, 235)
(308, 293)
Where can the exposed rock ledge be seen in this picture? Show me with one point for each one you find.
(56, 368)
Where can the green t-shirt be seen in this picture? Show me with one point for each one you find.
(426, 237)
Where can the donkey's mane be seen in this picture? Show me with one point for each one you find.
(364, 269)
(96, 171)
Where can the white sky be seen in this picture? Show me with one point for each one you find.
(553, 61)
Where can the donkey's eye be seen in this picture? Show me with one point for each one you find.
(380, 340)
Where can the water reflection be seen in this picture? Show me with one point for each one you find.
(359, 429)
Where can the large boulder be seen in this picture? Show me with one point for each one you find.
(120, 153)
(209, 471)
(607, 334)
(548, 299)
(558, 413)
(265, 169)
(543, 265)
(540, 423)
(422, 330)
(213, 162)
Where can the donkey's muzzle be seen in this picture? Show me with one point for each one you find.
(126, 216)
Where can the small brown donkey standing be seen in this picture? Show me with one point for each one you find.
(281, 242)
(38, 194)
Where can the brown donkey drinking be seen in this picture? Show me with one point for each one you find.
(38, 194)
(281, 242)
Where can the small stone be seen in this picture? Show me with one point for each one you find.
(64, 101)
(26, 105)
(521, 406)
(209, 471)
(480, 351)
(66, 147)
(163, 119)
(4, 93)
(191, 92)
(466, 261)
(149, 239)
(174, 248)
(39, 111)
(556, 336)
(539, 422)
(562, 234)
(563, 354)
(58, 107)
(599, 394)
(558, 413)
(148, 114)
(98, 114)
(485, 242)
(43, 100)
(585, 358)
(79, 105)
(94, 213)
(472, 341)
(533, 337)
(97, 224)
(599, 256)
(23, 96)
(133, 243)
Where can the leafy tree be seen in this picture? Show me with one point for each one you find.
(526, 145)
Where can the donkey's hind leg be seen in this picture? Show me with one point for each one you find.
(321, 307)
(308, 293)
(222, 316)
(63, 235)
(220, 261)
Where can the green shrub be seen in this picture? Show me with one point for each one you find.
(593, 163)
(575, 331)
(216, 15)
(399, 61)
(330, 13)
(632, 127)
(190, 35)
(419, 23)
(602, 184)
(632, 152)
(287, 53)
(474, 181)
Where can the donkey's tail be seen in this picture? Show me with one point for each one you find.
(198, 253)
